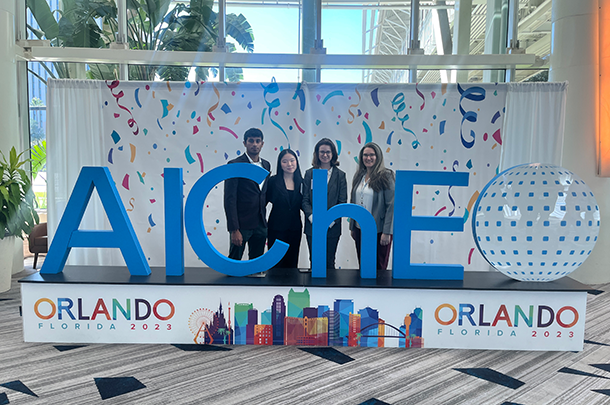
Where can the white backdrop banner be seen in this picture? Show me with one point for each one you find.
(198, 126)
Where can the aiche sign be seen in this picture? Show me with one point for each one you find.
(181, 216)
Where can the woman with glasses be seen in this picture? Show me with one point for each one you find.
(373, 188)
(325, 157)
(284, 192)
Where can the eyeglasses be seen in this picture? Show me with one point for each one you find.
(325, 152)
(369, 155)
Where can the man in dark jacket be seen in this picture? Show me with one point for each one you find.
(245, 203)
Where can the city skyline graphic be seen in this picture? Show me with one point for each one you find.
(294, 321)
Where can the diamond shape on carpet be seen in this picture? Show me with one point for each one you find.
(5, 299)
(17, 385)
(493, 376)
(373, 401)
(113, 387)
(64, 348)
(3, 398)
(568, 370)
(510, 403)
(605, 392)
(201, 348)
(328, 353)
(605, 367)
(596, 343)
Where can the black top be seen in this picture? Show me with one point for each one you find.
(336, 194)
(286, 211)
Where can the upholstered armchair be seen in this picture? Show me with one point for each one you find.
(38, 241)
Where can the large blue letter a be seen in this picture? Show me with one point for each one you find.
(122, 235)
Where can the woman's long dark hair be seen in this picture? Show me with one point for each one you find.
(297, 177)
(380, 176)
(315, 162)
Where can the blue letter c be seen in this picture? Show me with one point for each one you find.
(193, 216)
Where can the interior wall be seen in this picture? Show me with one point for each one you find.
(575, 58)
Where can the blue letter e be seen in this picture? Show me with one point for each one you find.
(405, 223)
(122, 235)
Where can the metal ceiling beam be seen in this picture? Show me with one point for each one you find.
(262, 60)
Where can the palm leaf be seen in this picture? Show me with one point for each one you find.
(44, 17)
(239, 29)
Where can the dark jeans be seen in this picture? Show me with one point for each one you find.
(331, 250)
(255, 238)
(383, 252)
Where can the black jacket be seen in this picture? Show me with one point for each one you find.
(244, 201)
(286, 211)
(337, 194)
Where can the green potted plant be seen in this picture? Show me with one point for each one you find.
(17, 210)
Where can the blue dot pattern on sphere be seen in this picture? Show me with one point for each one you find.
(545, 223)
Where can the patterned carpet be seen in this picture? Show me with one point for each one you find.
(37, 373)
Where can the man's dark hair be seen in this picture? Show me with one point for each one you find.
(253, 133)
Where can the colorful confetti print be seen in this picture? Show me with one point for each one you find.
(402, 118)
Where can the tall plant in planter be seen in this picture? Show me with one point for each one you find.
(17, 210)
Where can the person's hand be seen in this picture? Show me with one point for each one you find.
(385, 240)
(236, 238)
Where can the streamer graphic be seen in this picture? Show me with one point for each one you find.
(349, 110)
(476, 94)
(301, 95)
(131, 122)
(331, 95)
(229, 131)
(200, 161)
(298, 126)
(187, 154)
(419, 93)
(273, 88)
(375, 97)
(398, 105)
(212, 108)
(136, 96)
(456, 164)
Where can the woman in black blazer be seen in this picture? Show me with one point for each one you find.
(284, 192)
(325, 157)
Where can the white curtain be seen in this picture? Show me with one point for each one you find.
(75, 128)
(533, 124)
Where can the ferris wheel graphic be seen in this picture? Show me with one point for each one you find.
(201, 325)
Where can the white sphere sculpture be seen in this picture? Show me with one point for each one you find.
(536, 222)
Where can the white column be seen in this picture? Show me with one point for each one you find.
(495, 36)
(462, 22)
(9, 116)
(575, 58)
